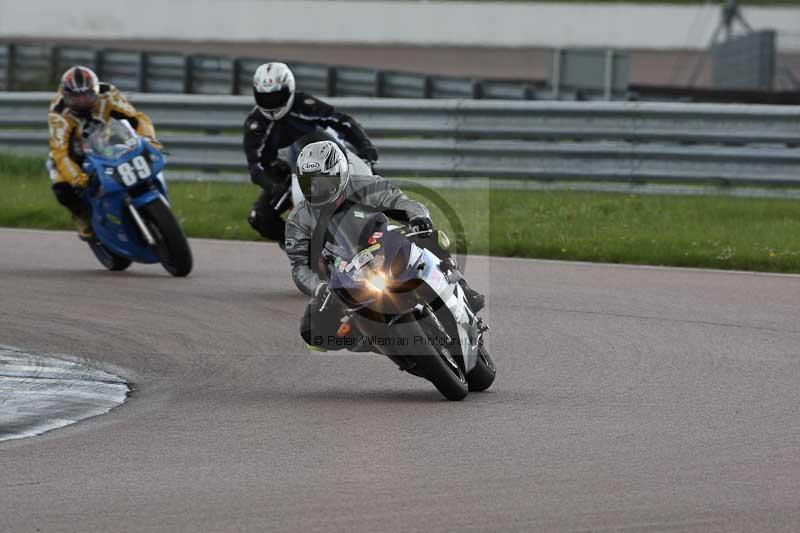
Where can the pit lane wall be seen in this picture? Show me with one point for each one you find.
(523, 24)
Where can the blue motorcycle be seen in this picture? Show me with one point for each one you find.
(131, 216)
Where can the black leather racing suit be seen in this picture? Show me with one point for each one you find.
(262, 139)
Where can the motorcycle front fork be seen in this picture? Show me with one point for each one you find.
(148, 237)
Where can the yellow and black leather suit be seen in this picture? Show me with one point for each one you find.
(66, 129)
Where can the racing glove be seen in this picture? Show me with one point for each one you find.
(278, 172)
(321, 291)
(155, 143)
(369, 152)
(81, 182)
(259, 176)
(421, 224)
(276, 193)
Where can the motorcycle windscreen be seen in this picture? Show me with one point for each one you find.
(350, 230)
(112, 140)
(382, 277)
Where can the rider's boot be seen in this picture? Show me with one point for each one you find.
(476, 300)
(83, 221)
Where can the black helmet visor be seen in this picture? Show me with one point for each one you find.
(319, 188)
(273, 100)
(80, 101)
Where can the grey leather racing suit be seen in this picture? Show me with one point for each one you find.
(369, 191)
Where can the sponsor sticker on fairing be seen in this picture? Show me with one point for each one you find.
(361, 259)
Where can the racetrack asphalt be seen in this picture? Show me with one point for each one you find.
(626, 398)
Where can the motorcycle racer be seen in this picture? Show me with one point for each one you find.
(280, 117)
(81, 101)
(328, 188)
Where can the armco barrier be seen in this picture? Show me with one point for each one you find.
(525, 140)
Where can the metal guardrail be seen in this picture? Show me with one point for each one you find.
(527, 140)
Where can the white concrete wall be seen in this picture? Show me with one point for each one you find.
(409, 22)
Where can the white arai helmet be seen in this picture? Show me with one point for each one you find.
(273, 89)
(322, 172)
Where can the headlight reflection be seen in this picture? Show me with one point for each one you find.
(377, 282)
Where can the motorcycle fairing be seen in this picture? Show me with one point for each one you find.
(111, 219)
(422, 265)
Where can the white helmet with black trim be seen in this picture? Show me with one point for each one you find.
(273, 89)
(322, 172)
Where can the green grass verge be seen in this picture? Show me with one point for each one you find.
(716, 232)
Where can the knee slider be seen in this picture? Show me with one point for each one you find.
(306, 335)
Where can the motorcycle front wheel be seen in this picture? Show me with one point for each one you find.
(107, 258)
(482, 376)
(439, 365)
(171, 244)
(448, 378)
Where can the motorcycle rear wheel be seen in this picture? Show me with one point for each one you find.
(482, 376)
(171, 244)
(107, 258)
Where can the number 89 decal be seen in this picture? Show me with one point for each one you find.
(131, 173)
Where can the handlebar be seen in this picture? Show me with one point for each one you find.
(429, 232)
